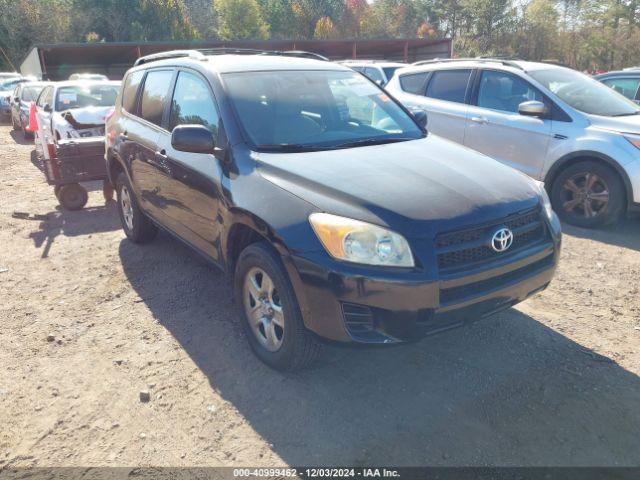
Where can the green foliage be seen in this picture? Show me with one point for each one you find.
(240, 19)
(586, 34)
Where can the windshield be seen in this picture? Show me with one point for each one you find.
(584, 93)
(81, 96)
(31, 93)
(298, 110)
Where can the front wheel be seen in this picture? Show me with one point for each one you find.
(588, 194)
(136, 225)
(271, 316)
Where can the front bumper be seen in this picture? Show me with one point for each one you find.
(350, 303)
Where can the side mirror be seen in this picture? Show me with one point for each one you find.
(421, 117)
(16, 99)
(47, 108)
(192, 138)
(532, 108)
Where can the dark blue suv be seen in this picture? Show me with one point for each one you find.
(337, 215)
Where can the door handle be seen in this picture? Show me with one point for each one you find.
(159, 160)
(161, 155)
(480, 120)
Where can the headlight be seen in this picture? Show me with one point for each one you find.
(360, 242)
(544, 199)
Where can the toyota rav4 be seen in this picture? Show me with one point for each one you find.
(335, 212)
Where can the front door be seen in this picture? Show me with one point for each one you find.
(495, 128)
(191, 186)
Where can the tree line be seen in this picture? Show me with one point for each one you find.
(585, 34)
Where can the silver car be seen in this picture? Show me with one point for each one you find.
(553, 123)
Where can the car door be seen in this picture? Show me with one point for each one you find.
(142, 132)
(443, 94)
(15, 104)
(495, 128)
(45, 110)
(191, 187)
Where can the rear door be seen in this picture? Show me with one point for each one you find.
(443, 94)
(191, 186)
(143, 132)
(495, 128)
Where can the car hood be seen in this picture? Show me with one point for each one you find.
(627, 124)
(418, 187)
(89, 117)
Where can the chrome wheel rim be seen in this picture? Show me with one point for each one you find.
(127, 209)
(264, 309)
(586, 195)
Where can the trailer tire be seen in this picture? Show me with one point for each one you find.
(72, 196)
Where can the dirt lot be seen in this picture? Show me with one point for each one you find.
(89, 320)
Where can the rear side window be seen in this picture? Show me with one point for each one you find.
(154, 95)
(374, 74)
(626, 86)
(193, 103)
(414, 83)
(130, 90)
(449, 85)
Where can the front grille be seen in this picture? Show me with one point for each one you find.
(471, 246)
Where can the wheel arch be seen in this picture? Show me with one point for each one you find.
(114, 166)
(584, 155)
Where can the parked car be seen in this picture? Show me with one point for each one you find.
(377, 70)
(21, 99)
(552, 123)
(625, 82)
(338, 216)
(74, 109)
(7, 85)
(88, 76)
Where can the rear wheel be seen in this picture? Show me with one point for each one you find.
(136, 225)
(72, 196)
(271, 316)
(588, 194)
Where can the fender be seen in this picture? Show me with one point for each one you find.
(573, 157)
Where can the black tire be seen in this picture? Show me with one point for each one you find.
(299, 348)
(574, 201)
(141, 229)
(72, 196)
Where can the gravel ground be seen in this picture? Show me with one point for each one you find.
(89, 321)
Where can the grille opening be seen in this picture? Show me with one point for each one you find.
(471, 246)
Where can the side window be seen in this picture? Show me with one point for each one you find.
(504, 91)
(46, 97)
(414, 83)
(130, 89)
(154, 95)
(626, 86)
(449, 85)
(374, 74)
(193, 103)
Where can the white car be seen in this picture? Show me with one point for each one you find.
(553, 123)
(376, 70)
(88, 76)
(74, 109)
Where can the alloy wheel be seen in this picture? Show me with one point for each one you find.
(264, 309)
(585, 194)
(127, 209)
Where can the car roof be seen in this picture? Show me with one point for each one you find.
(379, 63)
(229, 63)
(85, 82)
(500, 64)
(631, 72)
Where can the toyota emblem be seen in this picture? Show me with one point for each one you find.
(502, 240)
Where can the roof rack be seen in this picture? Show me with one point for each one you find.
(201, 54)
(508, 63)
(169, 54)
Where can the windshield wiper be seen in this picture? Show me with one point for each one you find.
(371, 141)
(637, 112)
(287, 147)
